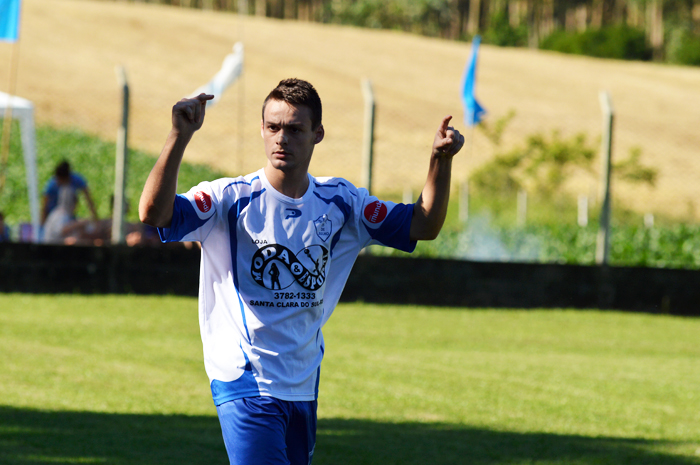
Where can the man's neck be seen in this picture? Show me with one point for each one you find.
(292, 184)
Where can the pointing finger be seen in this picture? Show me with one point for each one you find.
(444, 124)
(204, 97)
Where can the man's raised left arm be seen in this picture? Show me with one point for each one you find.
(430, 209)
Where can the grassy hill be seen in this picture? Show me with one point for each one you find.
(70, 48)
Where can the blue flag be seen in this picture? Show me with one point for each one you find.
(9, 20)
(473, 111)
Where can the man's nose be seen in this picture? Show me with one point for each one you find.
(282, 137)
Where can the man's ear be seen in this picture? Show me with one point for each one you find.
(262, 128)
(320, 132)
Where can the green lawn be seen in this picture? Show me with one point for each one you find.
(119, 380)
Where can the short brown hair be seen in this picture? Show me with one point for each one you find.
(297, 92)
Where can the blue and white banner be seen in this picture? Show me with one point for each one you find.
(230, 71)
(473, 111)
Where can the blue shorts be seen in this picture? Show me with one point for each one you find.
(268, 431)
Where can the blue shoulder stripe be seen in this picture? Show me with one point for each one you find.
(233, 214)
(339, 183)
(185, 220)
(241, 182)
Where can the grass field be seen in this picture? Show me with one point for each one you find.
(119, 380)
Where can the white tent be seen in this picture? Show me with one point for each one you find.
(23, 110)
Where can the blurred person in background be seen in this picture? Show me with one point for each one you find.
(60, 201)
(64, 178)
(4, 229)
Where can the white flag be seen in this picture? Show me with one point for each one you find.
(227, 75)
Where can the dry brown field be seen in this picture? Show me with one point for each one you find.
(69, 50)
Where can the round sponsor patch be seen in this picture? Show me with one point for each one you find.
(375, 212)
(203, 201)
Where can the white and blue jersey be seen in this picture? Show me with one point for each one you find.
(271, 273)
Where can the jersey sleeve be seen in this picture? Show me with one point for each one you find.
(194, 215)
(385, 223)
(78, 182)
(51, 187)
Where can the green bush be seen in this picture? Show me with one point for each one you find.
(483, 239)
(683, 47)
(620, 42)
(427, 17)
(501, 33)
(541, 165)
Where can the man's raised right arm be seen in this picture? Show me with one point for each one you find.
(158, 196)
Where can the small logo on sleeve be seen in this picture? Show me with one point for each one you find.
(375, 212)
(203, 201)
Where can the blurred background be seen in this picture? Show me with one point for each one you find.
(526, 187)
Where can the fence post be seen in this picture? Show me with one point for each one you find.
(464, 202)
(522, 208)
(603, 239)
(582, 211)
(121, 162)
(368, 142)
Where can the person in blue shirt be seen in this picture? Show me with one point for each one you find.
(71, 184)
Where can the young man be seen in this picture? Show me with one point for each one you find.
(277, 248)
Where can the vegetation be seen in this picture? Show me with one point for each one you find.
(501, 32)
(683, 47)
(540, 168)
(550, 234)
(427, 17)
(634, 30)
(486, 238)
(544, 164)
(621, 42)
(120, 380)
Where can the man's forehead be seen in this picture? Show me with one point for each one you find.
(280, 111)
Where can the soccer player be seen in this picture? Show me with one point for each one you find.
(277, 248)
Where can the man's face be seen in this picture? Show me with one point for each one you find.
(288, 136)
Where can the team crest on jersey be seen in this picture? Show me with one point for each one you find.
(276, 267)
(324, 227)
